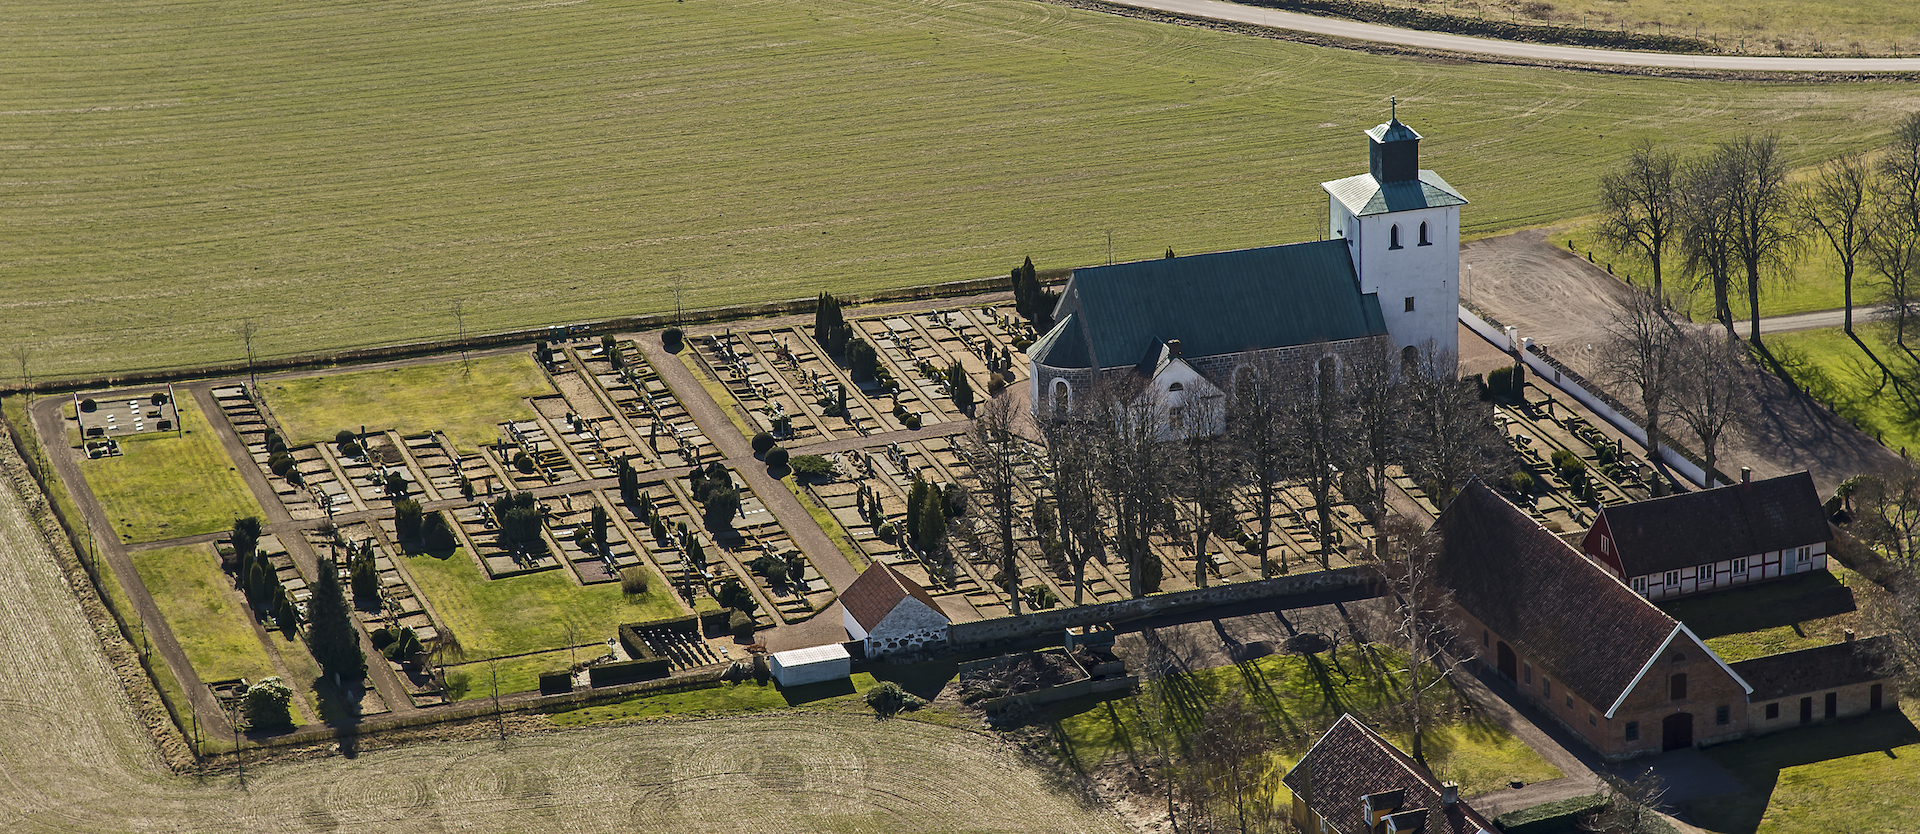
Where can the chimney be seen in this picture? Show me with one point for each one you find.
(1376, 806)
(1405, 821)
(1449, 793)
(1849, 635)
(1173, 347)
(1746, 474)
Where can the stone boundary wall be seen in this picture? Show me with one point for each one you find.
(526, 335)
(983, 632)
(1570, 383)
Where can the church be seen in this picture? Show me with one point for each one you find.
(1388, 271)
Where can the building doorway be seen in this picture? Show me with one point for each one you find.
(1874, 697)
(1806, 710)
(1676, 731)
(1509, 665)
(1833, 704)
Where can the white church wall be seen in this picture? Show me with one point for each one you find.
(1429, 274)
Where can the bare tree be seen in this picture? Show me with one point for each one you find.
(1836, 205)
(246, 330)
(1886, 512)
(1759, 205)
(1131, 424)
(1318, 430)
(1075, 488)
(1631, 806)
(1705, 234)
(1226, 763)
(23, 356)
(1450, 434)
(1419, 603)
(1254, 404)
(1639, 205)
(1205, 478)
(1708, 397)
(995, 448)
(1893, 248)
(1378, 399)
(1643, 354)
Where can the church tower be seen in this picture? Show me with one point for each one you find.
(1402, 228)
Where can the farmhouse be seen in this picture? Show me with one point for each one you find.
(1714, 539)
(1388, 272)
(1609, 665)
(890, 613)
(1353, 781)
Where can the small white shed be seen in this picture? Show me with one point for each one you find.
(811, 665)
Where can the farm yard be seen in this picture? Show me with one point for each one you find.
(465, 185)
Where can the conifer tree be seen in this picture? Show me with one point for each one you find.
(962, 387)
(330, 632)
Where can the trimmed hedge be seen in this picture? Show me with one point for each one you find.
(556, 683)
(611, 674)
(1562, 817)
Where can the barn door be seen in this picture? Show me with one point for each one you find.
(1676, 731)
(1509, 665)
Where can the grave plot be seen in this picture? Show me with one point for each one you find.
(888, 472)
(653, 522)
(972, 537)
(661, 425)
(801, 384)
(530, 457)
(673, 526)
(498, 554)
(976, 340)
(126, 414)
(613, 435)
(570, 518)
(762, 550)
(438, 465)
(1574, 467)
(282, 466)
(585, 438)
(390, 599)
(905, 350)
(782, 410)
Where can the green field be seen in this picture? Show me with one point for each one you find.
(1834, 370)
(1856, 775)
(526, 613)
(466, 400)
(164, 486)
(208, 618)
(342, 173)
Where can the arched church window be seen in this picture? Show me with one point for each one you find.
(1409, 359)
(1393, 237)
(1424, 241)
(1176, 388)
(1062, 398)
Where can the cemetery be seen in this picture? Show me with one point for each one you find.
(495, 519)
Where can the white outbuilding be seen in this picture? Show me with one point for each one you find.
(813, 664)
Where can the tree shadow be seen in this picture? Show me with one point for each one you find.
(1757, 763)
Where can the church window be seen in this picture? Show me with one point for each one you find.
(1409, 358)
(1393, 237)
(1176, 388)
(1062, 398)
(1409, 303)
(1424, 240)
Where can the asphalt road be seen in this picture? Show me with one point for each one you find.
(1235, 13)
(1810, 321)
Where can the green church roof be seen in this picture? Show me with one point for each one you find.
(1222, 302)
(1364, 195)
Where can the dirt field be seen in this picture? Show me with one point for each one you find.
(74, 757)
(1564, 304)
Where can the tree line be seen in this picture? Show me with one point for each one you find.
(1125, 462)
(1737, 225)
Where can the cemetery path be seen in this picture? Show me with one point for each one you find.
(49, 422)
(713, 421)
(1564, 303)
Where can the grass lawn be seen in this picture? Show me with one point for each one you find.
(342, 174)
(527, 613)
(1834, 370)
(1300, 697)
(209, 619)
(1857, 775)
(1782, 615)
(475, 679)
(467, 403)
(164, 486)
(725, 699)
